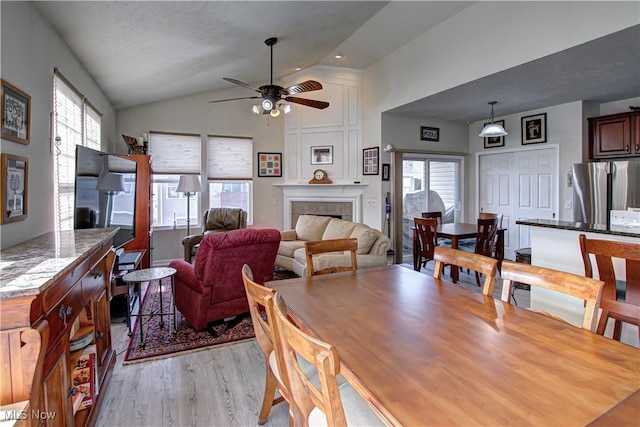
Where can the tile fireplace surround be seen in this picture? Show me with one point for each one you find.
(337, 200)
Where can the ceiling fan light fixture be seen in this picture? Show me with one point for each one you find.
(267, 104)
(286, 108)
(274, 113)
(492, 129)
(257, 109)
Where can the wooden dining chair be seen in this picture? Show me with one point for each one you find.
(491, 215)
(433, 215)
(478, 263)
(587, 289)
(498, 245)
(332, 245)
(620, 299)
(322, 401)
(261, 301)
(426, 236)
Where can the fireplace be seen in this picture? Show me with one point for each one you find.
(341, 210)
(343, 201)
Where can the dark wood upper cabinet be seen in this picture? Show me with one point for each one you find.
(616, 135)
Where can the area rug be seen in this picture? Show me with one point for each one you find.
(160, 342)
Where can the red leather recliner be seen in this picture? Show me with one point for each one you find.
(212, 289)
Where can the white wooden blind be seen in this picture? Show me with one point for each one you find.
(71, 118)
(175, 153)
(229, 158)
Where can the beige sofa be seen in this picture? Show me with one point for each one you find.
(372, 244)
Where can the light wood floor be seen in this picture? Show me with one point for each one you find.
(222, 386)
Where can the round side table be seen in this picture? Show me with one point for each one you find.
(151, 275)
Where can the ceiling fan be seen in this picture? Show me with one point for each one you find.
(272, 94)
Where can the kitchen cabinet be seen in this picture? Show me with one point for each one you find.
(614, 136)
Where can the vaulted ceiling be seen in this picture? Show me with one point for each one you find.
(145, 51)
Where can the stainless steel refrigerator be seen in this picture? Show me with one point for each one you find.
(600, 187)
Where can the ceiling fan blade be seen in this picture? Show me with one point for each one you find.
(321, 105)
(308, 86)
(243, 84)
(235, 99)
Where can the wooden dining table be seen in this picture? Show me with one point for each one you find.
(423, 351)
(456, 231)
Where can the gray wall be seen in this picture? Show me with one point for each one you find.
(30, 51)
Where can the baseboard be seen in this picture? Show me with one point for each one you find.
(161, 263)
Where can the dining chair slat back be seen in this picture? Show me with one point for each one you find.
(427, 239)
(320, 400)
(458, 258)
(587, 289)
(306, 396)
(261, 300)
(433, 215)
(331, 245)
(620, 298)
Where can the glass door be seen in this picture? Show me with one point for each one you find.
(429, 183)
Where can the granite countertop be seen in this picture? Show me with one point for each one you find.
(30, 267)
(619, 230)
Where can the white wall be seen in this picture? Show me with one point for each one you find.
(423, 67)
(194, 114)
(30, 50)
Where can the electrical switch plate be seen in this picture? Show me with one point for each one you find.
(567, 204)
(371, 202)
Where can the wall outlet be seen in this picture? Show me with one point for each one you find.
(567, 204)
(371, 202)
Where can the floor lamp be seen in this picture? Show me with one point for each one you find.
(111, 183)
(189, 185)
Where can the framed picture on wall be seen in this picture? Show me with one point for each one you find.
(322, 155)
(386, 170)
(534, 129)
(429, 133)
(16, 114)
(14, 188)
(494, 141)
(269, 164)
(370, 161)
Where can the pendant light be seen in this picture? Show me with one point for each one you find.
(492, 129)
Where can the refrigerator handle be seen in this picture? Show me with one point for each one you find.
(608, 168)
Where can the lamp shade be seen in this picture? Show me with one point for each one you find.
(110, 182)
(189, 184)
(492, 130)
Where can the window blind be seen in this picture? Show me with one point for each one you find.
(73, 117)
(174, 153)
(229, 158)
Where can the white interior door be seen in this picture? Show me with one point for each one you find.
(520, 184)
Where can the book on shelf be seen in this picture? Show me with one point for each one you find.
(84, 377)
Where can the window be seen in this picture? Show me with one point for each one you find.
(76, 122)
(229, 169)
(174, 155)
(229, 173)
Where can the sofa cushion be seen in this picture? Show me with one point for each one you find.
(338, 229)
(366, 238)
(311, 227)
(288, 247)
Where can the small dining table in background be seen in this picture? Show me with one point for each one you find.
(422, 351)
(456, 231)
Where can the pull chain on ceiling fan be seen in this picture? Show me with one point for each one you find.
(272, 94)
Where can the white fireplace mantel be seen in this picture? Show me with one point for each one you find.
(351, 193)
